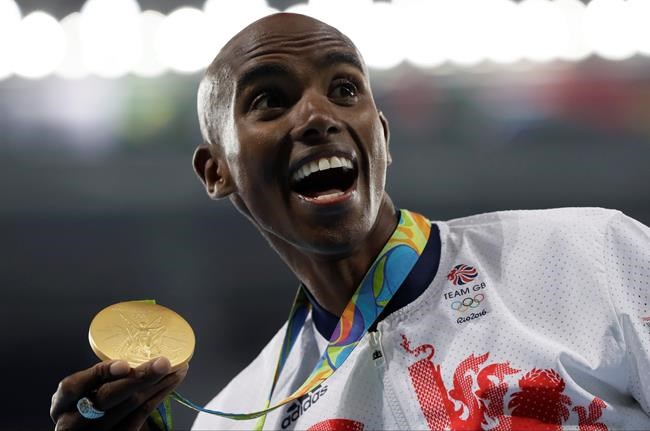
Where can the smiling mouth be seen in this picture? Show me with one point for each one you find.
(326, 180)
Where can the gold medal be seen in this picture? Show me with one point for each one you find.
(138, 331)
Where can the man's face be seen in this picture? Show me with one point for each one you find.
(306, 149)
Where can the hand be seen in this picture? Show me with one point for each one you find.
(128, 396)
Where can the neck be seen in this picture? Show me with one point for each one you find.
(333, 280)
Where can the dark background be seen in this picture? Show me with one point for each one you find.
(99, 203)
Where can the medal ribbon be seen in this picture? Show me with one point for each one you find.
(381, 282)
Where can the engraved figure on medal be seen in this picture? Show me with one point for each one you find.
(144, 339)
(138, 332)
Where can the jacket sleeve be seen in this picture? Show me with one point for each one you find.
(627, 264)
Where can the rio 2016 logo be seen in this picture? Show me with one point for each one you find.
(467, 303)
(471, 316)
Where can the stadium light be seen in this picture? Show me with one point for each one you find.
(640, 16)
(225, 21)
(110, 35)
(544, 33)
(301, 8)
(110, 38)
(330, 11)
(608, 29)
(9, 20)
(423, 39)
(40, 45)
(377, 35)
(377, 38)
(149, 63)
(72, 66)
(503, 41)
(182, 42)
(575, 46)
(467, 23)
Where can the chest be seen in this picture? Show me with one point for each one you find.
(475, 353)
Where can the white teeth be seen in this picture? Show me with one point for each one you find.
(321, 165)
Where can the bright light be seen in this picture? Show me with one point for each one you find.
(608, 29)
(375, 36)
(9, 19)
(301, 8)
(640, 11)
(576, 46)
(503, 41)
(342, 14)
(225, 20)
(72, 66)
(9, 12)
(466, 24)
(445, 30)
(544, 32)
(40, 45)
(424, 40)
(183, 40)
(112, 37)
(110, 34)
(149, 65)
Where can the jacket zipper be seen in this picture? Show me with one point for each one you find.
(379, 360)
(377, 351)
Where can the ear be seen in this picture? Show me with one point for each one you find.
(384, 125)
(213, 172)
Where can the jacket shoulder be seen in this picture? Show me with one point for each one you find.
(584, 216)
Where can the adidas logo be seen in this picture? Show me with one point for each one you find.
(302, 404)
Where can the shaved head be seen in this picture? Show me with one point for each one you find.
(284, 93)
(217, 88)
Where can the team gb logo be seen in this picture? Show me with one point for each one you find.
(462, 274)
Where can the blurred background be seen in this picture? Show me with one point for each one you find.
(493, 104)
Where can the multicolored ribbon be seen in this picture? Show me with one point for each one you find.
(389, 270)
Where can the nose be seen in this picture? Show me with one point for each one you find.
(315, 121)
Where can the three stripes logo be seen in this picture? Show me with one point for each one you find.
(302, 404)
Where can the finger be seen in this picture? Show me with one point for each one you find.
(66, 421)
(113, 393)
(74, 421)
(133, 412)
(84, 382)
(70, 421)
(141, 414)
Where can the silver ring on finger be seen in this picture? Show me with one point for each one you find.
(87, 409)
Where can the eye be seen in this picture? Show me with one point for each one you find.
(269, 100)
(344, 90)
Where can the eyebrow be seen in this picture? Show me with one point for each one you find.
(265, 70)
(260, 71)
(337, 57)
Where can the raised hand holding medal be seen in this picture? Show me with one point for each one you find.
(137, 331)
(135, 378)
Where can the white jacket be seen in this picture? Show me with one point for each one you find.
(554, 334)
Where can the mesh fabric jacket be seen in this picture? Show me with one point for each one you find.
(535, 320)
